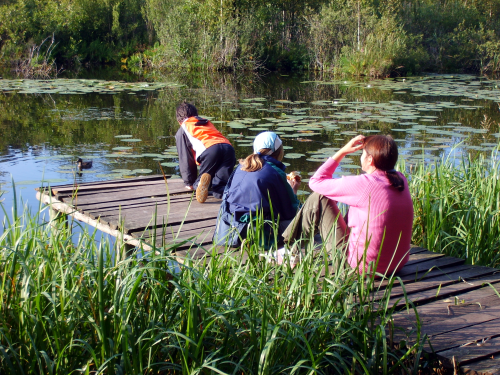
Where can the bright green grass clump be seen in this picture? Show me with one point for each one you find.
(457, 208)
(75, 308)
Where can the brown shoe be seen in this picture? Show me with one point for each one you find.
(202, 189)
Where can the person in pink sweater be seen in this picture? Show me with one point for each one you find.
(380, 216)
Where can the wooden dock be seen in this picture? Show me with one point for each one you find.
(457, 304)
(125, 209)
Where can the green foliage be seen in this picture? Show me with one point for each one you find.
(360, 37)
(84, 30)
(84, 308)
(457, 211)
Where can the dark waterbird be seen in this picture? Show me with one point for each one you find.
(83, 164)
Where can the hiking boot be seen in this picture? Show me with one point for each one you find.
(202, 189)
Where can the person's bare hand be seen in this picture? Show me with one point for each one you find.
(294, 184)
(354, 144)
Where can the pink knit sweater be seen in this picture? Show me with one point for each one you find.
(376, 205)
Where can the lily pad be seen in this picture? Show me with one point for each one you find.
(293, 155)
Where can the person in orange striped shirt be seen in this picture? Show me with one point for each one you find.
(200, 143)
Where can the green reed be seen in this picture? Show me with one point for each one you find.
(457, 208)
(74, 307)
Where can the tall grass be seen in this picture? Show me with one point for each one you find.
(457, 208)
(73, 307)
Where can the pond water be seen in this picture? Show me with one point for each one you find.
(128, 129)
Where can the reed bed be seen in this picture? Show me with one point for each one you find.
(76, 307)
(457, 208)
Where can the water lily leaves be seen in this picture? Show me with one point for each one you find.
(77, 86)
(131, 140)
(122, 148)
(115, 155)
(236, 125)
(170, 164)
(153, 155)
(42, 181)
(293, 155)
(316, 160)
(142, 171)
(350, 166)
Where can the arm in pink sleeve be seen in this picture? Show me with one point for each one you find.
(346, 190)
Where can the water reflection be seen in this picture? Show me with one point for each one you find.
(42, 135)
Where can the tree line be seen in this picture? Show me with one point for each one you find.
(359, 37)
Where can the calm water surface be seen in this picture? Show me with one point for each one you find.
(129, 131)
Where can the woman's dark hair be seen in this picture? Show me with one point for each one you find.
(185, 110)
(384, 152)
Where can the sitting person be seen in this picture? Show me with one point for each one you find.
(199, 142)
(380, 216)
(258, 186)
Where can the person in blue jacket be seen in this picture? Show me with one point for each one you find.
(258, 186)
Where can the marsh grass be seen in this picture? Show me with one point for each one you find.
(39, 61)
(74, 307)
(457, 208)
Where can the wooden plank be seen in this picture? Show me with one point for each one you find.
(202, 224)
(141, 208)
(114, 195)
(440, 292)
(135, 220)
(117, 181)
(470, 353)
(106, 207)
(200, 236)
(89, 193)
(444, 279)
(445, 309)
(490, 366)
(416, 249)
(423, 257)
(95, 183)
(148, 205)
(470, 329)
(422, 267)
(110, 184)
(424, 274)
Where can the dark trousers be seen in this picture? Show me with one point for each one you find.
(218, 161)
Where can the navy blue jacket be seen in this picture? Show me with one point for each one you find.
(251, 191)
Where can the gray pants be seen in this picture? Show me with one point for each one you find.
(318, 214)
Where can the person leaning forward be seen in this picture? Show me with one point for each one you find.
(200, 143)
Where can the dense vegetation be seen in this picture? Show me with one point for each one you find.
(457, 211)
(78, 308)
(372, 37)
